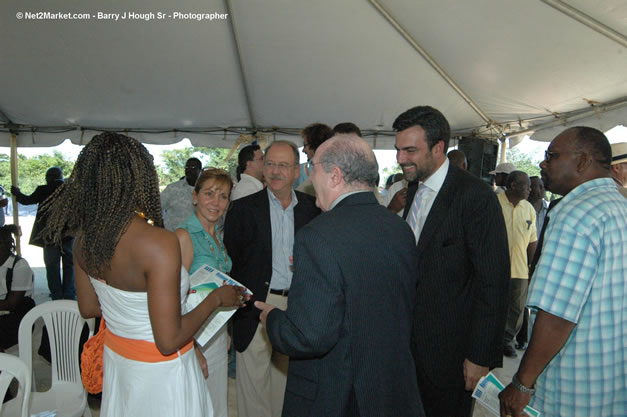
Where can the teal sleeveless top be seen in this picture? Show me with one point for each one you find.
(206, 249)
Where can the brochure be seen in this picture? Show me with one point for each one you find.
(202, 282)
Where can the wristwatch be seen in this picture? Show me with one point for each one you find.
(520, 387)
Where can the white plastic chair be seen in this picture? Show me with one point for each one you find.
(13, 367)
(64, 324)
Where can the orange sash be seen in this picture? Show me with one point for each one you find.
(141, 350)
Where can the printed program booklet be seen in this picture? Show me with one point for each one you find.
(487, 394)
(202, 282)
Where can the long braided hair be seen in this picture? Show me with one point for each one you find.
(113, 177)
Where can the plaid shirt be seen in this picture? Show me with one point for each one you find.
(580, 277)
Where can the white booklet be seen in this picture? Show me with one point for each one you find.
(202, 282)
(487, 394)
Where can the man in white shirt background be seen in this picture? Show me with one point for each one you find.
(249, 172)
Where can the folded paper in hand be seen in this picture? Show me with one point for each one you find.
(202, 282)
(487, 394)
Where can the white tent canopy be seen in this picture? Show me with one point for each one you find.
(494, 67)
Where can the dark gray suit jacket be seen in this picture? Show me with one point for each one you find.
(463, 280)
(348, 324)
(248, 240)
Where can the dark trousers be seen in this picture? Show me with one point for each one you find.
(10, 323)
(53, 256)
(445, 402)
(522, 337)
(517, 298)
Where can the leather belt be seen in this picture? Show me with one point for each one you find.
(279, 292)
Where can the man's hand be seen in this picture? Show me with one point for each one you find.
(4, 202)
(265, 309)
(472, 374)
(15, 190)
(398, 201)
(513, 401)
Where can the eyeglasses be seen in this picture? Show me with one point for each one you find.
(548, 156)
(283, 166)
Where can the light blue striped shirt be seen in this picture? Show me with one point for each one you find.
(282, 221)
(580, 277)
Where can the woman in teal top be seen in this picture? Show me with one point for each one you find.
(201, 244)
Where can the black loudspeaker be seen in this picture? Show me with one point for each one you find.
(482, 155)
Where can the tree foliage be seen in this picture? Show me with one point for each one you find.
(523, 162)
(173, 162)
(387, 171)
(32, 171)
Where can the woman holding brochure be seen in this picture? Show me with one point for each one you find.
(128, 269)
(201, 244)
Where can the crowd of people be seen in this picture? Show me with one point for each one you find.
(361, 305)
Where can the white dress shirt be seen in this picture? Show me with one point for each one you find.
(247, 185)
(432, 186)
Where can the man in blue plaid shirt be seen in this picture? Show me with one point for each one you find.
(576, 362)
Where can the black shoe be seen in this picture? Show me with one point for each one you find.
(509, 351)
(521, 346)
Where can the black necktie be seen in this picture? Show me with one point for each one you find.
(536, 254)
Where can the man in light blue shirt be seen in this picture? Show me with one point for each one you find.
(576, 363)
(259, 236)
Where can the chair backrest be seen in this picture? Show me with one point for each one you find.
(64, 325)
(13, 367)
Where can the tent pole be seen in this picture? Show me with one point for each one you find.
(16, 214)
(435, 65)
(587, 20)
(503, 150)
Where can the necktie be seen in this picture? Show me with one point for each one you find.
(414, 214)
(536, 255)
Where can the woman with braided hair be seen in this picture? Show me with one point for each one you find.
(128, 270)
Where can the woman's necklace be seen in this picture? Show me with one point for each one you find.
(220, 249)
(143, 216)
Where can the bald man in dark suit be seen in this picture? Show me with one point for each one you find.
(348, 324)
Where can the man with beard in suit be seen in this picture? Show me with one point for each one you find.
(463, 266)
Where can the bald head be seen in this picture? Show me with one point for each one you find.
(575, 156)
(458, 158)
(53, 174)
(354, 157)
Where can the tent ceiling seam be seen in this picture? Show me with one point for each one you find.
(4, 118)
(240, 62)
(587, 20)
(490, 123)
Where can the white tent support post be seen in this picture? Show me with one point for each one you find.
(587, 20)
(503, 142)
(435, 65)
(16, 214)
(240, 61)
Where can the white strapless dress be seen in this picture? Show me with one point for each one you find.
(174, 388)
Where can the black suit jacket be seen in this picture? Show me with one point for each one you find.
(463, 280)
(348, 324)
(248, 239)
(41, 194)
